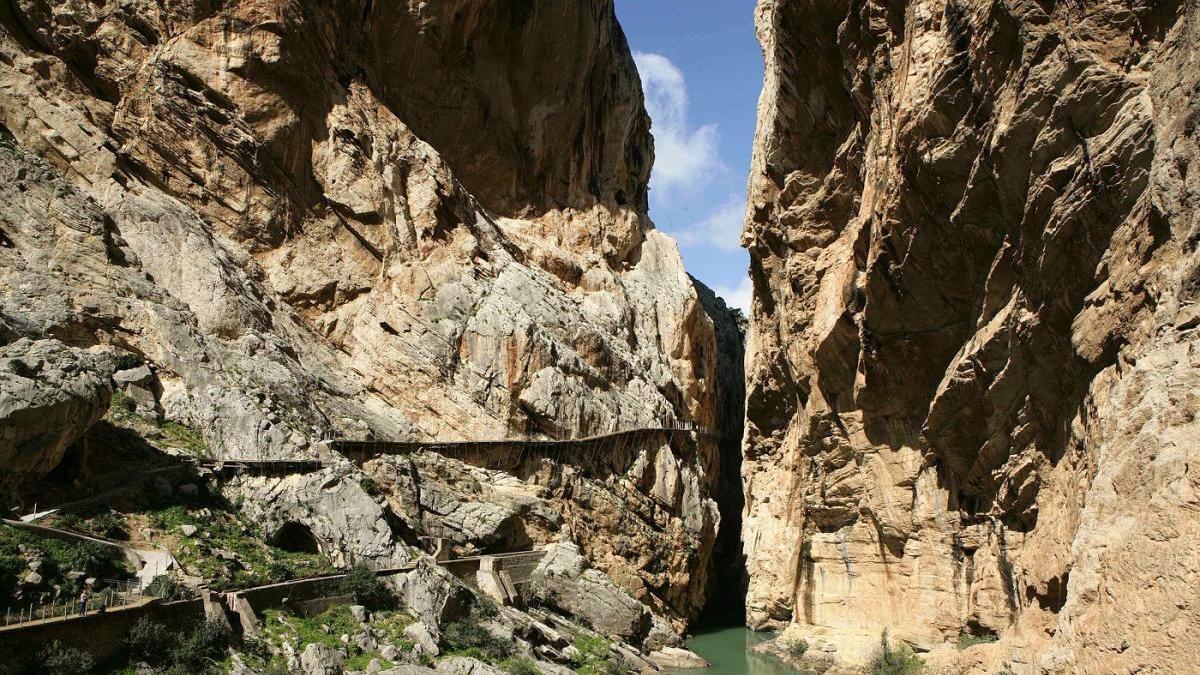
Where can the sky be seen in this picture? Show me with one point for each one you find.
(701, 70)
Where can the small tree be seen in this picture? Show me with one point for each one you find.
(367, 589)
(894, 661)
(166, 587)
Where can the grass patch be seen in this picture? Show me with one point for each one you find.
(325, 629)
(390, 626)
(300, 631)
(104, 523)
(180, 436)
(361, 661)
(889, 660)
(219, 531)
(520, 666)
(595, 657)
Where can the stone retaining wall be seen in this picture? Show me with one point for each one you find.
(101, 635)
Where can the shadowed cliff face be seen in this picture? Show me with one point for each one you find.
(972, 229)
(405, 220)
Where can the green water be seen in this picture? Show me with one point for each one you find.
(728, 650)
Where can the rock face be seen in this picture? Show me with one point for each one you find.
(316, 220)
(563, 581)
(972, 367)
(641, 517)
(49, 395)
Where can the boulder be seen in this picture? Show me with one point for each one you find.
(564, 581)
(140, 386)
(462, 665)
(670, 658)
(423, 640)
(433, 595)
(50, 394)
(319, 659)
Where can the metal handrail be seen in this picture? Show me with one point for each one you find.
(114, 594)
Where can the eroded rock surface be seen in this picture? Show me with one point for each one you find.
(973, 351)
(364, 220)
(49, 395)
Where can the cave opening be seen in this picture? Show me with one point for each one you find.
(295, 538)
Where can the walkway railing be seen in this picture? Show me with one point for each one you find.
(114, 595)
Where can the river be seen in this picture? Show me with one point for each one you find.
(728, 649)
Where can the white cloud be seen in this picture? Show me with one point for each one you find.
(684, 159)
(739, 296)
(722, 228)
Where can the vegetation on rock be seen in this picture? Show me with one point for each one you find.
(899, 660)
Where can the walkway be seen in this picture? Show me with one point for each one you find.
(248, 602)
(591, 446)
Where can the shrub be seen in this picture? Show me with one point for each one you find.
(487, 608)
(468, 637)
(367, 589)
(594, 657)
(57, 659)
(370, 486)
(894, 661)
(797, 648)
(207, 642)
(146, 640)
(967, 640)
(167, 587)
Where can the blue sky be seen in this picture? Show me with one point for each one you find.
(701, 69)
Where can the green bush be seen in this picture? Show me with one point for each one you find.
(57, 659)
(487, 608)
(797, 648)
(167, 587)
(595, 658)
(370, 486)
(894, 661)
(146, 641)
(367, 589)
(206, 643)
(468, 638)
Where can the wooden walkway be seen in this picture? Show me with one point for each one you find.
(507, 453)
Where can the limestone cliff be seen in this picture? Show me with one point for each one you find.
(972, 369)
(405, 220)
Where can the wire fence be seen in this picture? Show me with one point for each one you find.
(113, 595)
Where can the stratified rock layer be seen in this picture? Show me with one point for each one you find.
(972, 366)
(312, 220)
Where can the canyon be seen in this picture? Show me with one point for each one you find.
(961, 414)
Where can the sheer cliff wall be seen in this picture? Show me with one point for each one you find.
(972, 363)
(403, 220)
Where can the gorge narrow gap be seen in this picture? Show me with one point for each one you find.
(725, 602)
